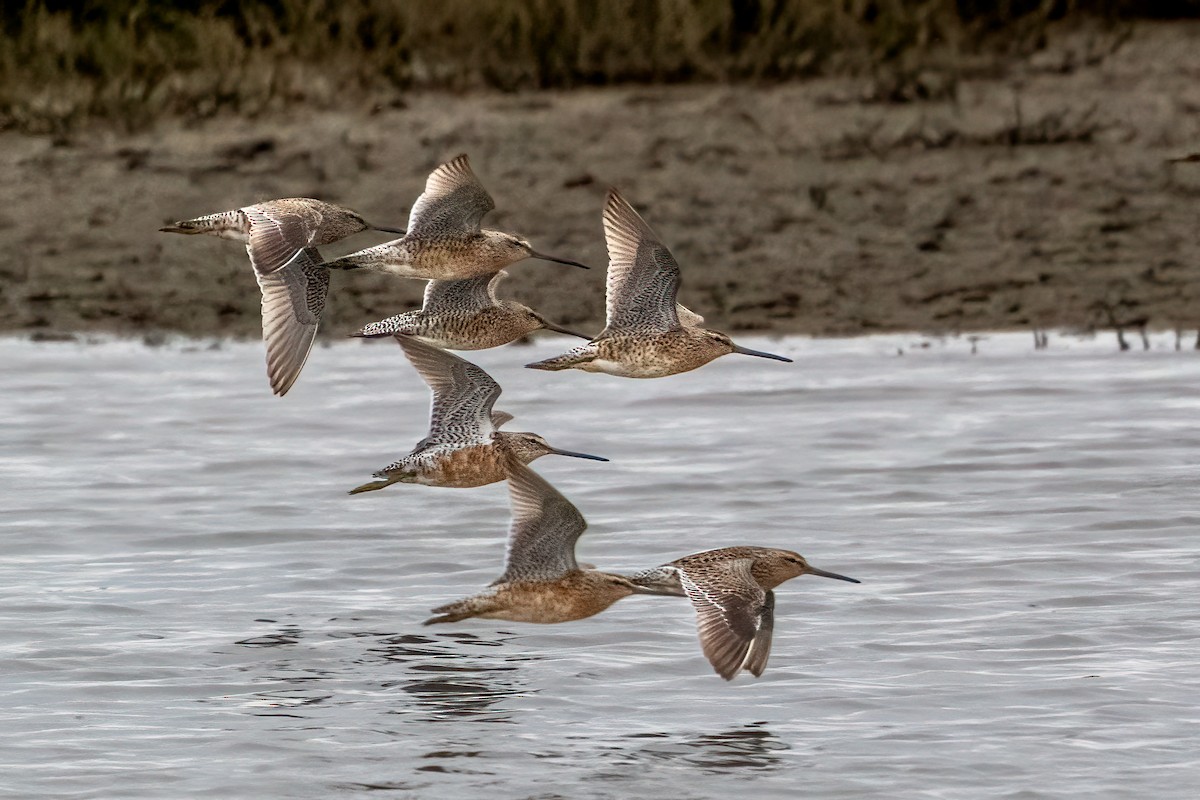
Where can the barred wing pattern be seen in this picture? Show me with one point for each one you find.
(734, 614)
(467, 295)
(453, 201)
(643, 277)
(463, 394)
(545, 527)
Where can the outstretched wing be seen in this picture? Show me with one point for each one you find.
(730, 612)
(643, 278)
(293, 297)
(545, 526)
(279, 229)
(469, 294)
(463, 394)
(453, 201)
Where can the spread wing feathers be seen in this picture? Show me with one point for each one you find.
(293, 297)
(463, 394)
(545, 526)
(499, 418)
(277, 233)
(469, 294)
(643, 277)
(453, 201)
(729, 607)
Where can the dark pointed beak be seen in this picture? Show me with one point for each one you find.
(746, 351)
(400, 231)
(834, 575)
(550, 326)
(573, 454)
(556, 259)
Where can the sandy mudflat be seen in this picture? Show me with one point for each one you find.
(1041, 199)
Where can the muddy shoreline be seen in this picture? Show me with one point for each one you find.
(1041, 200)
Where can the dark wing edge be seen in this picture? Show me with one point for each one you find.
(729, 604)
(760, 647)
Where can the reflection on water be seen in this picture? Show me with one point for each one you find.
(457, 685)
(196, 608)
(749, 747)
(443, 677)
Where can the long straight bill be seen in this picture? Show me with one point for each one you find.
(556, 259)
(746, 351)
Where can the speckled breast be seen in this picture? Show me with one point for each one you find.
(651, 355)
(485, 329)
(464, 467)
(453, 260)
(565, 600)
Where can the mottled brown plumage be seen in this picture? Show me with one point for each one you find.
(730, 589)
(466, 315)
(464, 446)
(444, 240)
(281, 237)
(648, 334)
(542, 582)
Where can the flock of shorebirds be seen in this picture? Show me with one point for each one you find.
(648, 335)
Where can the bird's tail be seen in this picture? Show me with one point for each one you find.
(453, 612)
(572, 358)
(226, 221)
(388, 480)
(658, 580)
(386, 327)
(342, 263)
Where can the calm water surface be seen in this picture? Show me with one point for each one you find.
(191, 606)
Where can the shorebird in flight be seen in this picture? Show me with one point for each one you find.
(542, 582)
(281, 237)
(731, 590)
(444, 239)
(464, 446)
(466, 315)
(648, 335)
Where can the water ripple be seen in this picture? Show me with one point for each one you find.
(190, 604)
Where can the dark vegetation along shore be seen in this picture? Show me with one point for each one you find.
(817, 167)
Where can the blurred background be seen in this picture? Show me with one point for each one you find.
(823, 166)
